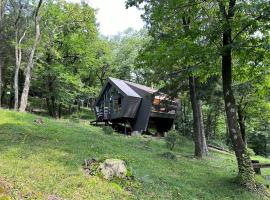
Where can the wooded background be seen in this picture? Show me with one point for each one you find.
(212, 55)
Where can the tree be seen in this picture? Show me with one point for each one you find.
(225, 28)
(30, 64)
(69, 57)
(172, 29)
(19, 9)
(229, 17)
(2, 10)
(125, 48)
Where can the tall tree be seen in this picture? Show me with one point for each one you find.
(69, 55)
(201, 148)
(2, 9)
(246, 173)
(171, 30)
(227, 27)
(18, 8)
(30, 64)
(125, 48)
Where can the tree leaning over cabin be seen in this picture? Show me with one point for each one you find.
(30, 64)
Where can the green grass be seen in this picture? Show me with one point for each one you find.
(37, 161)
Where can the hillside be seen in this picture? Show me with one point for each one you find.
(45, 162)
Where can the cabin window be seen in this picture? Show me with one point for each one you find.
(115, 100)
(118, 103)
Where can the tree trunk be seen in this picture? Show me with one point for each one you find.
(53, 106)
(18, 56)
(49, 106)
(0, 83)
(69, 109)
(59, 110)
(198, 128)
(28, 72)
(2, 8)
(246, 172)
(241, 121)
(208, 125)
(202, 132)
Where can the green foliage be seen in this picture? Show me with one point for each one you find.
(125, 49)
(107, 130)
(172, 138)
(260, 143)
(168, 155)
(250, 152)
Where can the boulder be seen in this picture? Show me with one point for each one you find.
(111, 168)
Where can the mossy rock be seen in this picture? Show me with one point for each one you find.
(113, 168)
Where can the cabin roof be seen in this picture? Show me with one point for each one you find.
(124, 87)
(142, 87)
(127, 87)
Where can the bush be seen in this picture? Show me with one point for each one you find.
(171, 139)
(107, 130)
(250, 152)
(168, 155)
(75, 117)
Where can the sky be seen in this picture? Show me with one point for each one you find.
(113, 17)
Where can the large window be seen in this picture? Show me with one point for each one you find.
(115, 100)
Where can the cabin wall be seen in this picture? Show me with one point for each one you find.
(143, 115)
(130, 107)
(108, 107)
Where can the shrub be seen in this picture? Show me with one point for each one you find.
(107, 130)
(75, 117)
(168, 155)
(250, 152)
(171, 139)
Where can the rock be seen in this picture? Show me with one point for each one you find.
(111, 168)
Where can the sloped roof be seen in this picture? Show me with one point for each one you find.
(124, 87)
(142, 87)
(127, 88)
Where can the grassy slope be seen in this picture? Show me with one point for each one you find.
(41, 160)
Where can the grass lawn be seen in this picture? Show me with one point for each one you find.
(42, 161)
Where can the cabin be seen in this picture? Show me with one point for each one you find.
(137, 106)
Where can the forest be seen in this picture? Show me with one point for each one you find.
(213, 56)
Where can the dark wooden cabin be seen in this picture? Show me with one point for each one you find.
(141, 107)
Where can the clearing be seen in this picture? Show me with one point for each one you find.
(44, 161)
